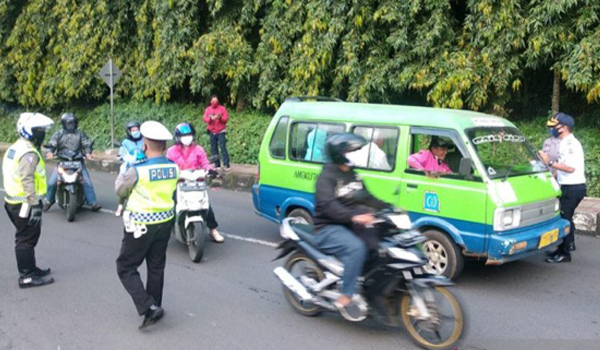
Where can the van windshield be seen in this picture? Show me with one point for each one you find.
(504, 152)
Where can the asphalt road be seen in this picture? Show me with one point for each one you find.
(231, 300)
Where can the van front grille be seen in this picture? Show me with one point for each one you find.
(537, 212)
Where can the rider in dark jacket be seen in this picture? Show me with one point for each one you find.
(344, 210)
(66, 143)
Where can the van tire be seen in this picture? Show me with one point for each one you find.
(442, 244)
(301, 214)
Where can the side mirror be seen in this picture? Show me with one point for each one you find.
(465, 166)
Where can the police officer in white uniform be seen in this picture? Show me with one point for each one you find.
(148, 220)
(25, 184)
(570, 169)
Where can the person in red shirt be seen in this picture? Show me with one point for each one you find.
(215, 116)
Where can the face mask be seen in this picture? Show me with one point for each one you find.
(136, 135)
(187, 140)
(553, 132)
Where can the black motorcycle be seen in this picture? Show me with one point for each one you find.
(69, 193)
(394, 287)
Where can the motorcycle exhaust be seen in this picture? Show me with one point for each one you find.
(292, 284)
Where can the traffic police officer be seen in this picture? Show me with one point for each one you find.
(570, 169)
(148, 220)
(25, 184)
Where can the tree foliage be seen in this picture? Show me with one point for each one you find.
(474, 54)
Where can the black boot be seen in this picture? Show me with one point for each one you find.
(31, 279)
(42, 272)
(153, 315)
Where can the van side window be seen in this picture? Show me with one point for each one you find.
(380, 151)
(308, 140)
(433, 153)
(277, 145)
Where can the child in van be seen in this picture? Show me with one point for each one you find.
(131, 152)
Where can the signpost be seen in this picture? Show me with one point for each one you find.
(111, 74)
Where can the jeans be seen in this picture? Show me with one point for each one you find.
(219, 140)
(572, 195)
(88, 188)
(339, 241)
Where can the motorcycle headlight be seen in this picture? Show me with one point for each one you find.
(506, 218)
(402, 254)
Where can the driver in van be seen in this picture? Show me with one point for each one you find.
(344, 211)
(70, 140)
(432, 159)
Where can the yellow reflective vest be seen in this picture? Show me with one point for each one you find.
(15, 193)
(151, 200)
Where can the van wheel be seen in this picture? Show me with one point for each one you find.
(444, 256)
(302, 215)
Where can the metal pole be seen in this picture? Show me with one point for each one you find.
(112, 108)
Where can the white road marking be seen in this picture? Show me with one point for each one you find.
(228, 235)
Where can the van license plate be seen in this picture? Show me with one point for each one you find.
(548, 238)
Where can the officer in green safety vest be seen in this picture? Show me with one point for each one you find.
(148, 220)
(24, 175)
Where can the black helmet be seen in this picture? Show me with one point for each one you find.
(338, 145)
(437, 141)
(128, 128)
(184, 129)
(69, 122)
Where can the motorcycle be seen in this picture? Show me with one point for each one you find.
(394, 287)
(191, 210)
(69, 194)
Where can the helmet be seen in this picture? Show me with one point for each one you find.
(69, 121)
(33, 126)
(155, 131)
(338, 145)
(184, 129)
(437, 141)
(128, 128)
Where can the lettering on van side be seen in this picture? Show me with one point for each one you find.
(305, 175)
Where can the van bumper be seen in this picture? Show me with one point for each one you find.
(522, 243)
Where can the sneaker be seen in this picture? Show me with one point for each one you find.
(96, 207)
(42, 272)
(216, 236)
(47, 205)
(119, 211)
(351, 312)
(559, 258)
(33, 280)
(153, 315)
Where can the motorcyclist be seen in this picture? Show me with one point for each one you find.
(131, 152)
(188, 155)
(66, 141)
(343, 213)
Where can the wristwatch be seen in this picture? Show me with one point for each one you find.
(551, 163)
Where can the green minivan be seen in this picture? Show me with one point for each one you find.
(497, 202)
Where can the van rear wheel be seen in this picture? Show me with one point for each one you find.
(302, 215)
(444, 255)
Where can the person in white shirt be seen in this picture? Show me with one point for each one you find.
(570, 169)
(371, 156)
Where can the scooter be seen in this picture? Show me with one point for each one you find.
(69, 194)
(191, 210)
(394, 287)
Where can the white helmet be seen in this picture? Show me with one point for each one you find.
(155, 131)
(33, 126)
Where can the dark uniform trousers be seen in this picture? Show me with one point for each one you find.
(151, 247)
(26, 238)
(572, 195)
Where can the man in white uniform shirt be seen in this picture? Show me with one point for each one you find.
(570, 169)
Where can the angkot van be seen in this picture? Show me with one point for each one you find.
(497, 202)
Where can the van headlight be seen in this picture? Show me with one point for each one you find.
(556, 205)
(506, 218)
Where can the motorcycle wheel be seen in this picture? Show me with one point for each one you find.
(297, 265)
(71, 206)
(427, 333)
(196, 235)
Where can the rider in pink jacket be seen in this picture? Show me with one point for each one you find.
(188, 155)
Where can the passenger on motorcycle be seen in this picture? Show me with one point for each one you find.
(188, 155)
(68, 140)
(131, 152)
(344, 212)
